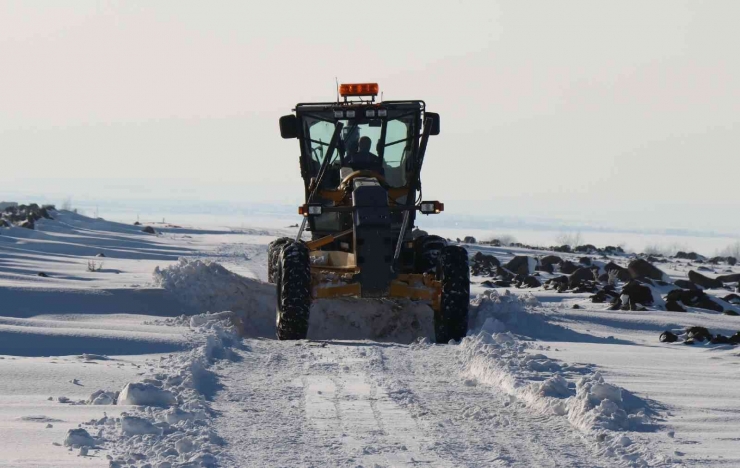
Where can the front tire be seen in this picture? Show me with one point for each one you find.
(293, 291)
(428, 249)
(273, 256)
(451, 321)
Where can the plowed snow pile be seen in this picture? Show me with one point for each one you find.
(370, 319)
(209, 287)
(169, 422)
(600, 410)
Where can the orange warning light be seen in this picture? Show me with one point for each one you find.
(358, 89)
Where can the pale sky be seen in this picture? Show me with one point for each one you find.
(625, 112)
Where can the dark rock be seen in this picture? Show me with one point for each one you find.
(562, 249)
(622, 273)
(149, 230)
(504, 274)
(576, 306)
(610, 249)
(530, 282)
(640, 268)
(731, 260)
(703, 268)
(484, 265)
(580, 275)
(689, 342)
(703, 281)
(492, 242)
(547, 268)
(674, 306)
(698, 334)
(732, 299)
(42, 274)
(502, 283)
(568, 267)
(733, 278)
(586, 287)
(604, 278)
(557, 282)
(638, 293)
(137, 223)
(686, 296)
(735, 339)
(469, 240)
(730, 312)
(585, 261)
(488, 284)
(550, 260)
(27, 224)
(686, 284)
(707, 303)
(688, 256)
(668, 337)
(652, 259)
(519, 265)
(720, 339)
(101, 254)
(604, 295)
(587, 248)
(694, 299)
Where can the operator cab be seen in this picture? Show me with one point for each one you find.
(382, 140)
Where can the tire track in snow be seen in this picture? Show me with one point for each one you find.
(377, 405)
(374, 430)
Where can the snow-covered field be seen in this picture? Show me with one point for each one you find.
(137, 349)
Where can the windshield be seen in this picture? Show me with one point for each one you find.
(386, 143)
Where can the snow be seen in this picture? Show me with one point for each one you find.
(78, 438)
(167, 357)
(144, 394)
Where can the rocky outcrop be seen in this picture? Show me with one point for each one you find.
(640, 268)
(483, 265)
(25, 216)
(520, 265)
(704, 281)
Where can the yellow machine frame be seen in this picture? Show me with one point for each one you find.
(328, 280)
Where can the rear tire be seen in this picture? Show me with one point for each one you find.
(293, 291)
(428, 249)
(451, 321)
(273, 255)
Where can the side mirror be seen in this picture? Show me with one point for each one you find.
(289, 126)
(435, 122)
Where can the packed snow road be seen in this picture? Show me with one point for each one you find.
(362, 403)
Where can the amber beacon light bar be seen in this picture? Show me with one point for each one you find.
(358, 89)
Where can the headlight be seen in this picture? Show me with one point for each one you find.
(310, 210)
(431, 207)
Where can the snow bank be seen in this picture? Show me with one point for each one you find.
(145, 394)
(101, 397)
(208, 286)
(79, 438)
(171, 424)
(498, 358)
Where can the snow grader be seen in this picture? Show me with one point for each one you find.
(361, 164)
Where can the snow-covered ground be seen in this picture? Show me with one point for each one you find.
(123, 365)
